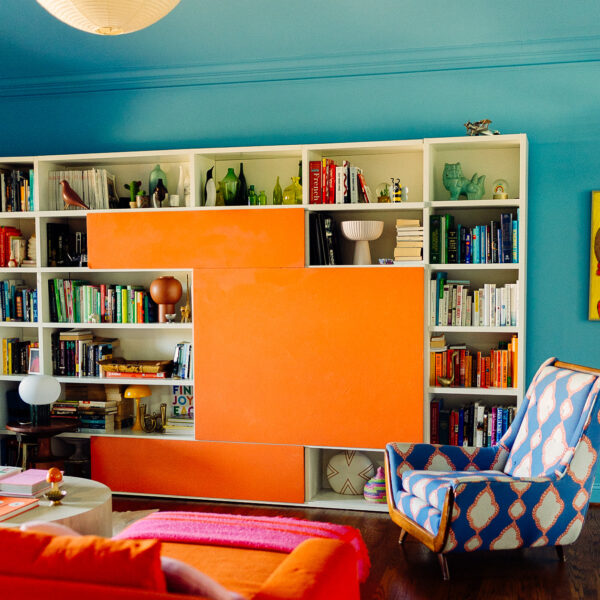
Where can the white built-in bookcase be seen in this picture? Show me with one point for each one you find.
(419, 165)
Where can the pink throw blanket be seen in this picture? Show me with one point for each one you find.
(264, 533)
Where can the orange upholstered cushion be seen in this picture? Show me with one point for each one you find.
(91, 559)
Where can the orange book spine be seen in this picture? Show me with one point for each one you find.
(504, 368)
(439, 357)
(515, 341)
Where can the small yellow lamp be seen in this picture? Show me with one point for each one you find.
(137, 392)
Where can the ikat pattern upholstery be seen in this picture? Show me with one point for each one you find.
(531, 489)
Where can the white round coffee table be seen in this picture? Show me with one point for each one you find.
(87, 508)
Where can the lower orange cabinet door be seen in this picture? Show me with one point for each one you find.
(258, 472)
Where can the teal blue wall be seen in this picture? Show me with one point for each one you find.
(555, 102)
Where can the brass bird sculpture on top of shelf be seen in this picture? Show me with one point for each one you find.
(70, 196)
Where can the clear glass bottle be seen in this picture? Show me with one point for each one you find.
(277, 193)
(252, 197)
(156, 174)
(289, 193)
(262, 198)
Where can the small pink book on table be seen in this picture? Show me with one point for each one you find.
(27, 483)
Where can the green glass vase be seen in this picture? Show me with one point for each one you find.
(277, 193)
(229, 188)
(156, 174)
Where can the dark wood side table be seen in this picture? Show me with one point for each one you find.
(41, 435)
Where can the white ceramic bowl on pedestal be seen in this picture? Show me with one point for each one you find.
(362, 232)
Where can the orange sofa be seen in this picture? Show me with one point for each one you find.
(35, 565)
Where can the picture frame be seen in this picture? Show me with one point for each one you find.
(594, 306)
(34, 360)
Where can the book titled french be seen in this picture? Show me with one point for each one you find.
(119, 374)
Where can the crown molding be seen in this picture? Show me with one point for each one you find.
(358, 64)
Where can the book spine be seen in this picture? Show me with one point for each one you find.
(314, 178)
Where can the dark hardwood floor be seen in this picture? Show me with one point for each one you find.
(411, 571)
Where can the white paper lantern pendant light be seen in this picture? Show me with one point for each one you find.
(109, 17)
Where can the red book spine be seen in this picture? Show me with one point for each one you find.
(102, 302)
(331, 182)
(324, 186)
(315, 189)
(435, 421)
(462, 369)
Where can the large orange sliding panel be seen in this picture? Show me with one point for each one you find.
(198, 238)
(211, 470)
(330, 356)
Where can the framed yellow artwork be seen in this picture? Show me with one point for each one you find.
(594, 313)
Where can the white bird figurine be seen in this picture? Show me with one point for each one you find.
(70, 196)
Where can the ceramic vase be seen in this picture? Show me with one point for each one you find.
(156, 174)
(375, 488)
(210, 189)
(166, 292)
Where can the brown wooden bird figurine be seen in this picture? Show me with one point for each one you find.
(70, 196)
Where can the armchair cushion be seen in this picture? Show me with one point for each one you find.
(432, 486)
(559, 402)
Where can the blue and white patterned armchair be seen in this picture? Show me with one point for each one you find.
(531, 489)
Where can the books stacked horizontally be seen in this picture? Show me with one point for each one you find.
(30, 483)
(11, 507)
(96, 413)
(124, 414)
(179, 425)
(409, 240)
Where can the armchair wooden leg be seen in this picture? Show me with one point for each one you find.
(444, 566)
(402, 536)
(561, 553)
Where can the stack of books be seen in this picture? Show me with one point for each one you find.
(330, 183)
(11, 507)
(409, 240)
(30, 483)
(179, 425)
(124, 414)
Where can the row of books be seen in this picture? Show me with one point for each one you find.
(182, 361)
(15, 355)
(95, 187)
(179, 425)
(324, 241)
(409, 240)
(77, 301)
(336, 184)
(17, 301)
(64, 246)
(76, 353)
(472, 425)
(453, 303)
(16, 190)
(497, 242)
(457, 366)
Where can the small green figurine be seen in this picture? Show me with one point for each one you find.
(134, 188)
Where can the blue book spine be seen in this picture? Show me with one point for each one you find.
(499, 420)
(461, 426)
(515, 241)
(34, 302)
(468, 247)
(482, 244)
(475, 244)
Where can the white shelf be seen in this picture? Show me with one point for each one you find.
(475, 267)
(330, 499)
(370, 207)
(23, 324)
(158, 326)
(470, 204)
(125, 380)
(471, 329)
(121, 433)
(472, 391)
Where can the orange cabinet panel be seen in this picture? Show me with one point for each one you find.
(326, 357)
(196, 238)
(210, 470)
